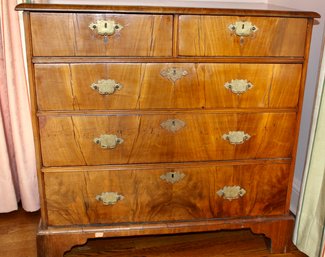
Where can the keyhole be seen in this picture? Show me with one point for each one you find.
(173, 123)
(173, 175)
(243, 26)
(105, 25)
(174, 72)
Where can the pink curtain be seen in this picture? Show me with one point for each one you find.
(18, 180)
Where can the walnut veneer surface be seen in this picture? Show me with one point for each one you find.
(161, 120)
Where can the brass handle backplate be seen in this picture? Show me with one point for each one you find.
(172, 177)
(106, 86)
(238, 86)
(236, 137)
(173, 74)
(231, 192)
(105, 28)
(109, 198)
(108, 141)
(243, 28)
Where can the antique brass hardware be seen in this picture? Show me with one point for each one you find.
(173, 74)
(173, 125)
(109, 198)
(236, 137)
(172, 177)
(108, 141)
(106, 86)
(243, 28)
(105, 28)
(231, 192)
(238, 86)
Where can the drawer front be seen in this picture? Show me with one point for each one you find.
(215, 36)
(73, 34)
(152, 85)
(78, 140)
(156, 195)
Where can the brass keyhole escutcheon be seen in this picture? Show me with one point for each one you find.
(173, 125)
(173, 74)
(172, 177)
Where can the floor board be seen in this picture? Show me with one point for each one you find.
(18, 235)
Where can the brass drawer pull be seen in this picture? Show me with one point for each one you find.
(236, 137)
(108, 141)
(173, 74)
(243, 28)
(106, 86)
(172, 177)
(238, 86)
(231, 192)
(173, 125)
(105, 27)
(109, 198)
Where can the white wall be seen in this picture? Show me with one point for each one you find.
(311, 85)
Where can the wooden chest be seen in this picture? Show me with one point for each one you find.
(160, 120)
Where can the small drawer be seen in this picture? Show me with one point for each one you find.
(241, 36)
(148, 138)
(170, 85)
(155, 195)
(77, 34)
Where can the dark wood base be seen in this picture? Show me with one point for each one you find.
(54, 242)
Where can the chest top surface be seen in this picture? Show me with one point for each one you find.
(180, 7)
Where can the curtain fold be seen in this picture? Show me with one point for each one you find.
(310, 221)
(17, 157)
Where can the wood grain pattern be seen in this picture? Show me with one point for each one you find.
(205, 8)
(300, 106)
(67, 86)
(179, 59)
(148, 198)
(210, 36)
(177, 165)
(33, 109)
(55, 241)
(65, 57)
(69, 35)
(18, 233)
(212, 244)
(145, 141)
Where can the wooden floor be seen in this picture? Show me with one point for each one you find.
(18, 233)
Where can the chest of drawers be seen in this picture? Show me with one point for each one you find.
(161, 120)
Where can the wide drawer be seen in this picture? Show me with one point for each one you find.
(169, 85)
(241, 36)
(119, 139)
(156, 195)
(77, 34)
